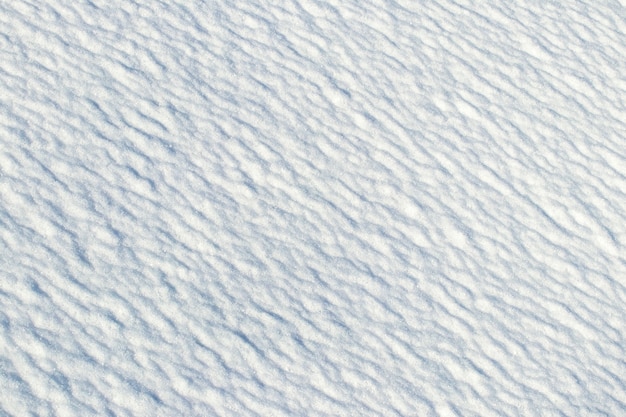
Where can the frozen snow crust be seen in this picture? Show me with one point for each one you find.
(308, 208)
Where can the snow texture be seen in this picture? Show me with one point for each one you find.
(308, 208)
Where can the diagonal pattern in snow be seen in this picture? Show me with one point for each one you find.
(312, 208)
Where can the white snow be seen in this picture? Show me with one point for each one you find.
(343, 207)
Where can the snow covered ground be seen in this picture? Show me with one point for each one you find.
(307, 208)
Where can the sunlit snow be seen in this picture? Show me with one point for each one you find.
(308, 208)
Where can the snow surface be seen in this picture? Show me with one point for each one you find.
(283, 208)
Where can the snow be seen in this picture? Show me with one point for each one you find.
(312, 208)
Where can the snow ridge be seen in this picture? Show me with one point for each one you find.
(312, 208)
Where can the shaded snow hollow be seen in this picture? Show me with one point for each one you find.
(307, 208)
